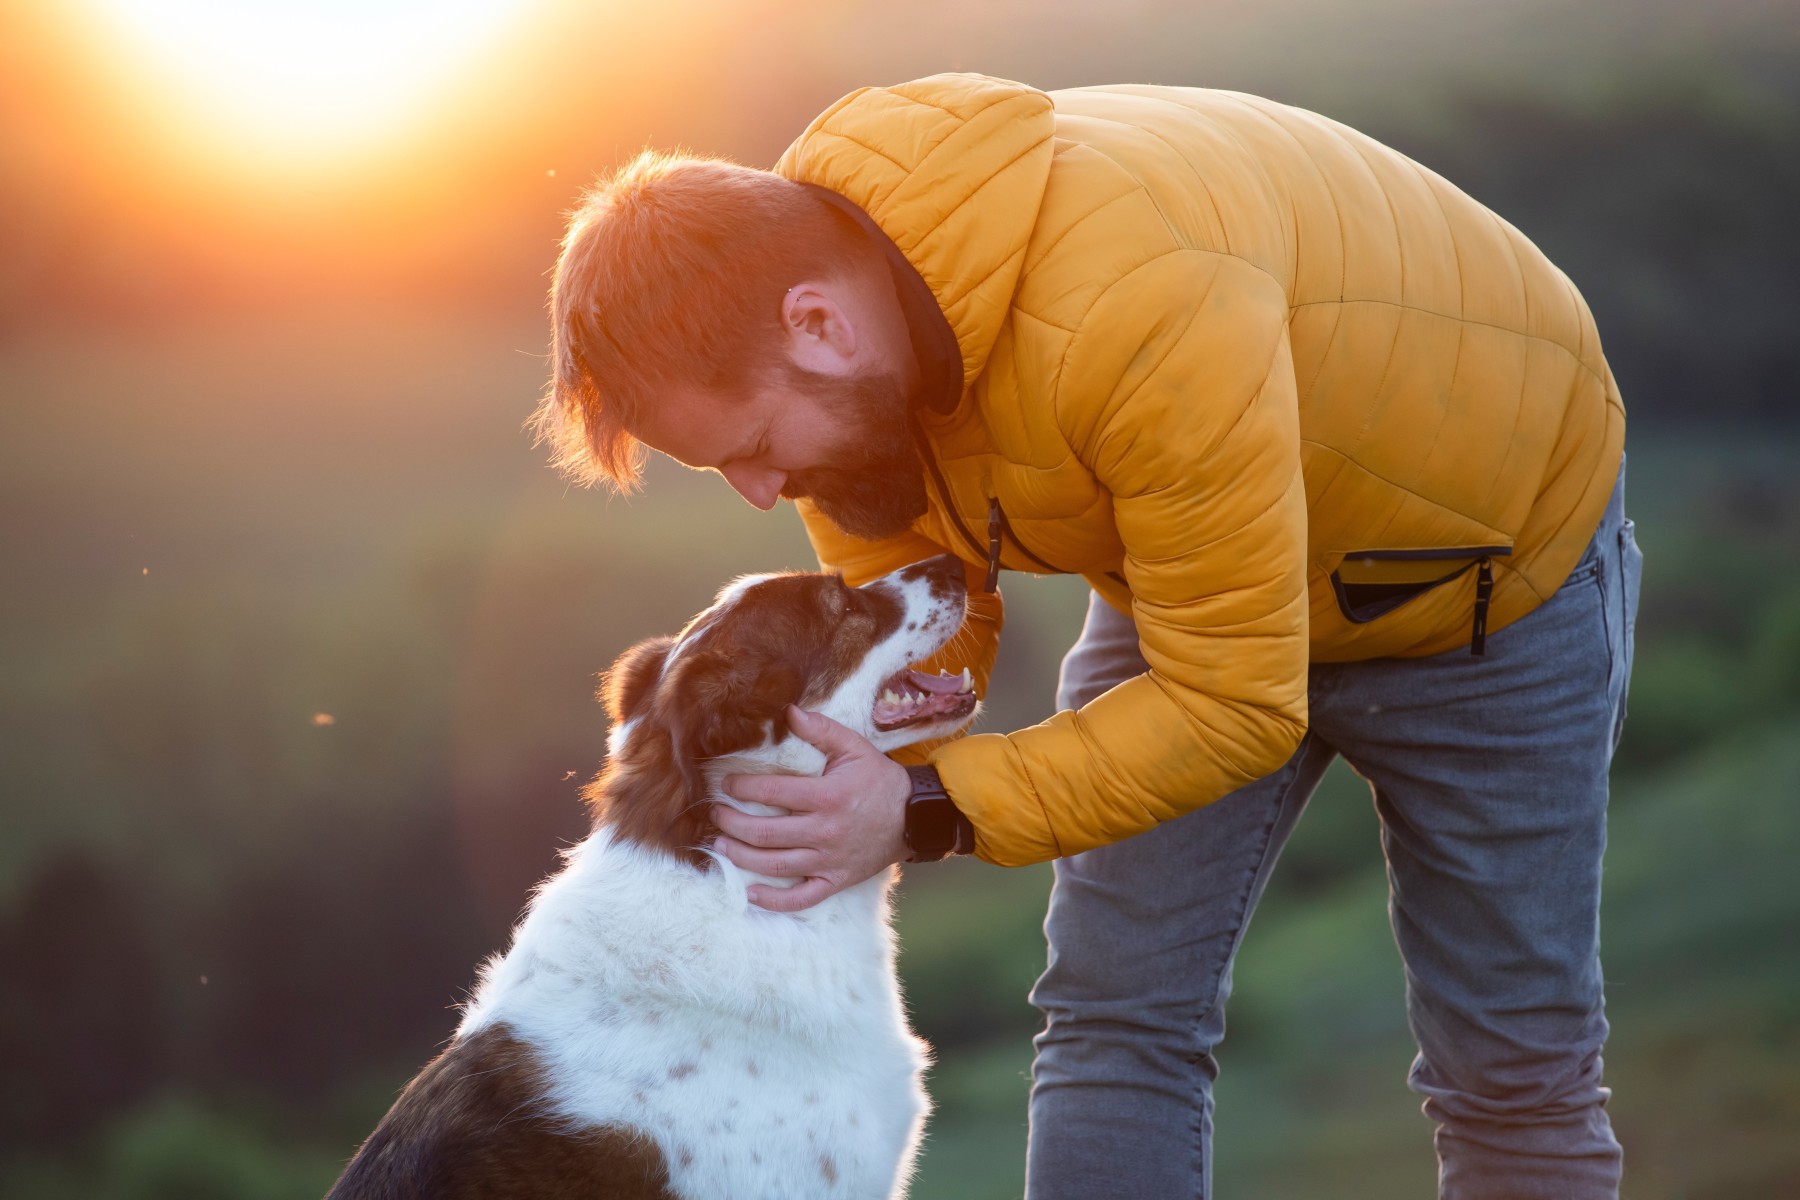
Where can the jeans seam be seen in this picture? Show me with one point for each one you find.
(1606, 622)
(1242, 908)
(1624, 544)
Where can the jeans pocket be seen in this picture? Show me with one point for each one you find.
(1585, 571)
(1631, 577)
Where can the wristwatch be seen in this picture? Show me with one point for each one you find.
(934, 825)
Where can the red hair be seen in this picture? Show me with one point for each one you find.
(672, 273)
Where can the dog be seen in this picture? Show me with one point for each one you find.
(650, 1033)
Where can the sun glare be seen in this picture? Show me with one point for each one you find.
(301, 78)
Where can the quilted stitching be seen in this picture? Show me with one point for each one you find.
(1503, 429)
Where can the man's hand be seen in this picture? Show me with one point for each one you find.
(841, 828)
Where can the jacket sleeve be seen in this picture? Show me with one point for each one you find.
(975, 645)
(1177, 391)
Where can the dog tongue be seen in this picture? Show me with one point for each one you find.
(937, 685)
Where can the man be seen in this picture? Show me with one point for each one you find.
(1340, 456)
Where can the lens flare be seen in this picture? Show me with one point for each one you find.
(299, 77)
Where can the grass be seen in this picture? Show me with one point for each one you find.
(1704, 997)
(315, 543)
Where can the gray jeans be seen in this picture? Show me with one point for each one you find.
(1490, 778)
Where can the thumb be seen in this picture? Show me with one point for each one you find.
(823, 733)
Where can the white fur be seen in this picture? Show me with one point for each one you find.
(766, 1054)
(934, 623)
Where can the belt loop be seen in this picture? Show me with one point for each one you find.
(993, 557)
(1484, 589)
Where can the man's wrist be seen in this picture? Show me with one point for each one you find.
(935, 827)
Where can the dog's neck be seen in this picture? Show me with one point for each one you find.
(791, 757)
(651, 795)
(624, 920)
(629, 916)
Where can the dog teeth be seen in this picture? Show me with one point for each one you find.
(888, 697)
(968, 681)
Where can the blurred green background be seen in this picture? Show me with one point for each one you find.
(298, 634)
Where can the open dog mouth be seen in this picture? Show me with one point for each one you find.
(913, 697)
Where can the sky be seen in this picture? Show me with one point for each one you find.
(160, 157)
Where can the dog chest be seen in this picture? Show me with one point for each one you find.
(765, 1056)
(743, 1113)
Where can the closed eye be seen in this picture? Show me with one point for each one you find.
(757, 453)
(760, 451)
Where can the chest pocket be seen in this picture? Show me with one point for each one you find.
(1373, 583)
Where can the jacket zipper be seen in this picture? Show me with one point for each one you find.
(999, 528)
(997, 517)
(991, 556)
(995, 525)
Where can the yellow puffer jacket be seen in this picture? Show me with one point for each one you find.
(1244, 369)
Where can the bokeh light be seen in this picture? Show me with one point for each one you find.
(297, 79)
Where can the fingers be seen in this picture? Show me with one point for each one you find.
(787, 862)
(769, 833)
(849, 758)
(784, 863)
(797, 793)
(823, 733)
(787, 900)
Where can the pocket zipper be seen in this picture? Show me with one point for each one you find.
(1484, 589)
(1484, 581)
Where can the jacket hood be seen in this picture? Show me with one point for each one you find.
(952, 168)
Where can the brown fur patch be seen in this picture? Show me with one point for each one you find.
(724, 686)
(473, 1126)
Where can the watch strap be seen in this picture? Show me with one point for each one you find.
(928, 790)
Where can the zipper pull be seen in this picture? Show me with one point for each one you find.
(1484, 589)
(993, 561)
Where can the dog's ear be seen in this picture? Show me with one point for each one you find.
(629, 683)
(722, 705)
(642, 793)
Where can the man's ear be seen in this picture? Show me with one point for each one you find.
(629, 683)
(820, 328)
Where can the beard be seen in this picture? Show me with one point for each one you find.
(876, 489)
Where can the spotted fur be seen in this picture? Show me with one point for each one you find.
(662, 1032)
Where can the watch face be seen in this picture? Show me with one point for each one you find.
(931, 825)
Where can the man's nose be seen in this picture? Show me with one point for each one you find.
(761, 486)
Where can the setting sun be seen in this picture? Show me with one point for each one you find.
(304, 76)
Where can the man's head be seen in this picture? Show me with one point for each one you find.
(735, 321)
